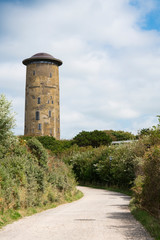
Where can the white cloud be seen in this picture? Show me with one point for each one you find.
(110, 72)
(12, 77)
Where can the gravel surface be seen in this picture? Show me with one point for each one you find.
(99, 215)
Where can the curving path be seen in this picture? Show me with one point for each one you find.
(99, 215)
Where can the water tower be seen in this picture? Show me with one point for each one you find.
(42, 109)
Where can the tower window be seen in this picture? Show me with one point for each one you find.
(50, 75)
(39, 126)
(49, 113)
(37, 115)
(52, 101)
(38, 100)
(34, 73)
(48, 101)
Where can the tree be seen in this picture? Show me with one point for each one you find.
(7, 121)
(120, 135)
(95, 138)
(144, 132)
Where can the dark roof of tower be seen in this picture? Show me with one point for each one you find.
(42, 57)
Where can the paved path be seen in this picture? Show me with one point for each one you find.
(99, 215)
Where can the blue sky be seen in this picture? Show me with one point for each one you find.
(110, 77)
(152, 20)
(152, 17)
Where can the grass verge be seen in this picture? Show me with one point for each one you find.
(11, 215)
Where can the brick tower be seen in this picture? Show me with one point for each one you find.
(42, 110)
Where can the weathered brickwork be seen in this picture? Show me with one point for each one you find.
(42, 108)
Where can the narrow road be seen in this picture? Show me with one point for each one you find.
(99, 215)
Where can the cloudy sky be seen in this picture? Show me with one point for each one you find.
(110, 77)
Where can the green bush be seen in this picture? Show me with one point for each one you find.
(151, 186)
(103, 166)
(117, 165)
(144, 132)
(120, 135)
(7, 121)
(39, 151)
(61, 176)
(123, 165)
(55, 146)
(137, 190)
(146, 188)
(15, 182)
(95, 139)
(113, 165)
(84, 161)
(32, 178)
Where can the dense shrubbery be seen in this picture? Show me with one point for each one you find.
(83, 162)
(120, 135)
(144, 132)
(146, 188)
(151, 182)
(55, 146)
(114, 165)
(83, 139)
(95, 139)
(119, 166)
(31, 178)
(39, 151)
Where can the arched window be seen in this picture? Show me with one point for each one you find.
(39, 126)
(37, 115)
(49, 113)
